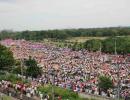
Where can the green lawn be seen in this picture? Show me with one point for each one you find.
(83, 39)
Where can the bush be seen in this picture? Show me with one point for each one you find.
(64, 93)
(105, 83)
(12, 78)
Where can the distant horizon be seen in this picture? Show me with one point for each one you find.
(119, 26)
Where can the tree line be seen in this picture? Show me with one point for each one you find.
(122, 45)
(66, 33)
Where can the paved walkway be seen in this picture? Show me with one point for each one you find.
(83, 95)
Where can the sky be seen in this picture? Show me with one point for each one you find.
(61, 14)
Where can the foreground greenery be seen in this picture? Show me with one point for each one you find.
(64, 93)
(6, 58)
(32, 70)
(29, 68)
(105, 83)
(11, 77)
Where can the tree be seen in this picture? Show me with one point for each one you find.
(92, 45)
(6, 58)
(64, 93)
(122, 45)
(109, 45)
(17, 70)
(32, 68)
(105, 83)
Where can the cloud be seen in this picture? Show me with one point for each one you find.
(44, 14)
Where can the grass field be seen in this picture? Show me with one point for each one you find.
(70, 41)
(83, 39)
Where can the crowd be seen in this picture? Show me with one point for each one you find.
(75, 70)
(21, 90)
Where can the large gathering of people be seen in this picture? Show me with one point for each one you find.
(75, 70)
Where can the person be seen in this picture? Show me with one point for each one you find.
(126, 96)
(21, 96)
(45, 98)
(1, 96)
(59, 98)
(41, 96)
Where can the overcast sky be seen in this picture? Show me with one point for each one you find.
(57, 14)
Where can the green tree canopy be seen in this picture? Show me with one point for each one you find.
(33, 69)
(64, 93)
(108, 45)
(105, 83)
(122, 45)
(6, 58)
(92, 45)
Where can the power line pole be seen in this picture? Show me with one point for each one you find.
(53, 97)
(22, 68)
(118, 88)
(100, 48)
(53, 83)
(115, 47)
(21, 96)
(118, 75)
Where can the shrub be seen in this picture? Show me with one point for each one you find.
(64, 93)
